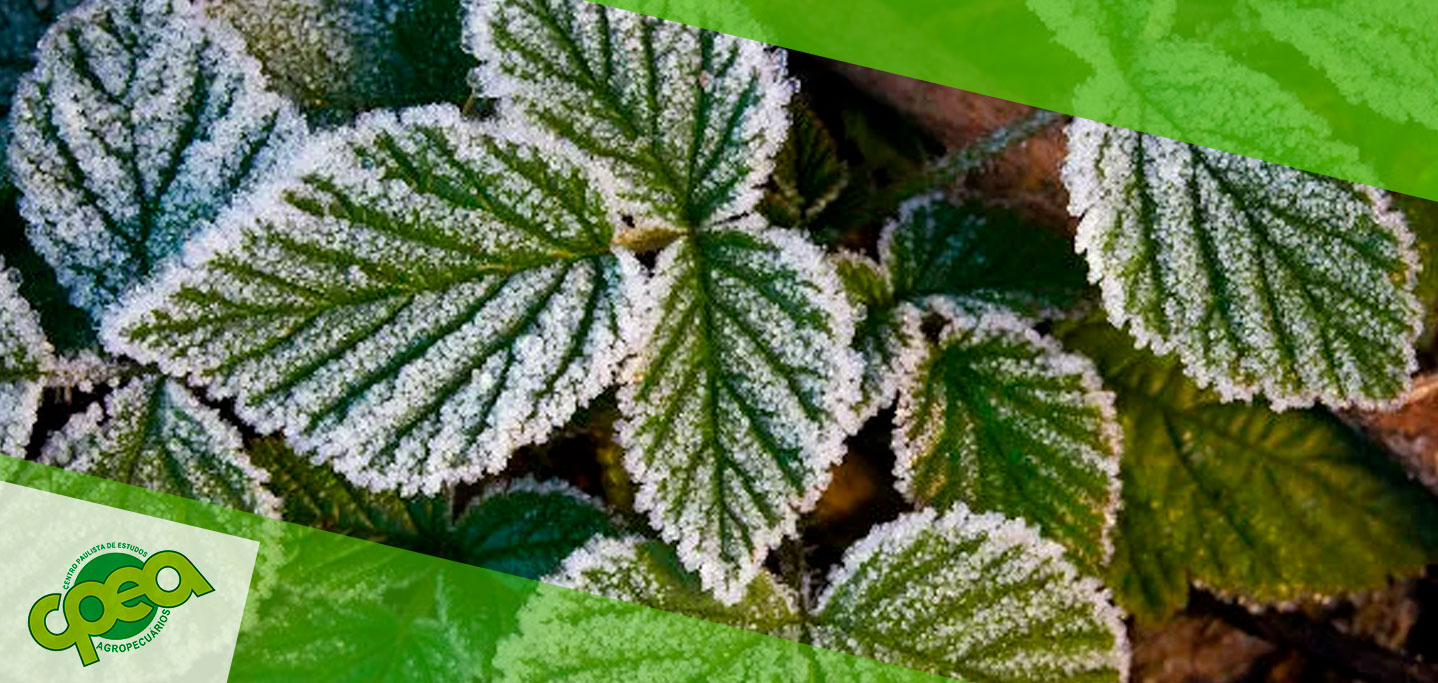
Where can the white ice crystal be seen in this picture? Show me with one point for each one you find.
(1265, 280)
(680, 125)
(418, 299)
(25, 359)
(591, 639)
(998, 603)
(739, 399)
(139, 123)
(1000, 418)
(974, 597)
(151, 432)
(337, 58)
(971, 258)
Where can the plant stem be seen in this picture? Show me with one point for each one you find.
(959, 162)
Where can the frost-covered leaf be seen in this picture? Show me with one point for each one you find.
(740, 396)
(22, 22)
(1268, 507)
(419, 299)
(1397, 81)
(889, 337)
(680, 124)
(567, 634)
(25, 357)
(808, 173)
(151, 432)
(338, 58)
(1148, 76)
(975, 259)
(1262, 278)
(138, 125)
(521, 527)
(971, 596)
(979, 259)
(68, 328)
(1000, 419)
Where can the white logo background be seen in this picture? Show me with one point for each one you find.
(42, 534)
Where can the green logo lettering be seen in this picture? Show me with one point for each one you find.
(115, 597)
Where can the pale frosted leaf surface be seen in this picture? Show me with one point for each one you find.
(740, 396)
(138, 125)
(566, 634)
(976, 260)
(337, 58)
(1397, 81)
(1146, 74)
(889, 335)
(151, 432)
(25, 360)
(419, 299)
(1000, 419)
(680, 124)
(1267, 507)
(429, 610)
(971, 596)
(1262, 278)
(22, 22)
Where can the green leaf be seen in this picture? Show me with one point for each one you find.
(1146, 74)
(418, 300)
(975, 259)
(1267, 507)
(889, 336)
(808, 173)
(740, 396)
(1000, 419)
(522, 527)
(679, 124)
(137, 127)
(151, 432)
(441, 629)
(980, 259)
(25, 357)
(621, 641)
(1262, 278)
(1397, 81)
(338, 58)
(973, 597)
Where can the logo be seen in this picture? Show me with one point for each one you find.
(118, 594)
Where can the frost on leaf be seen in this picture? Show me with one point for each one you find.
(568, 634)
(419, 299)
(151, 432)
(889, 335)
(25, 359)
(1267, 507)
(997, 603)
(740, 396)
(1000, 419)
(440, 617)
(1262, 278)
(1397, 81)
(976, 260)
(680, 124)
(138, 125)
(337, 58)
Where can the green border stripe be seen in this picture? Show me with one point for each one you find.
(323, 606)
(1347, 88)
